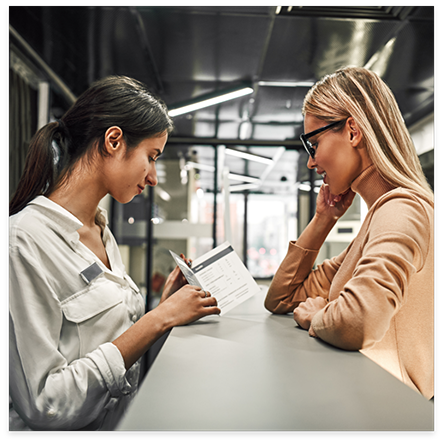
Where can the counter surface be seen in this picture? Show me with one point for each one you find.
(250, 370)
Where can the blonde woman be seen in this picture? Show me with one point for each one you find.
(377, 295)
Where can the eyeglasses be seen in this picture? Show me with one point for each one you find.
(307, 144)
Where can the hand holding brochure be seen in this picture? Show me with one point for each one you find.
(223, 274)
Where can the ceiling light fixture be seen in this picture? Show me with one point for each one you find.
(209, 100)
(199, 166)
(244, 187)
(287, 84)
(243, 178)
(249, 156)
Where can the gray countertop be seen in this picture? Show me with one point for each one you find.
(254, 371)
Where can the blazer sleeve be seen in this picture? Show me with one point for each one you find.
(296, 280)
(395, 248)
(48, 392)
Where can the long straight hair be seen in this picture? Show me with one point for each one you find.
(56, 148)
(362, 94)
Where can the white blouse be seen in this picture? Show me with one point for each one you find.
(65, 309)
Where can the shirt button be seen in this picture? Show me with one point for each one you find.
(50, 413)
(134, 318)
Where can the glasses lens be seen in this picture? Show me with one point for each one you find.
(307, 145)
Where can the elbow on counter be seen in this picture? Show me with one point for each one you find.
(274, 304)
(347, 337)
(270, 304)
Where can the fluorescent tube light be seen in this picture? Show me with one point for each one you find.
(200, 166)
(206, 101)
(249, 156)
(243, 178)
(287, 84)
(244, 187)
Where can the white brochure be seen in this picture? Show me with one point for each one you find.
(222, 273)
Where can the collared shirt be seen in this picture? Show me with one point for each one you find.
(66, 308)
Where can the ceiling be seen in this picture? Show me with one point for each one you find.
(185, 51)
(182, 52)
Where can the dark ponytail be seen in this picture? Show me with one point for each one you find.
(57, 147)
(39, 172)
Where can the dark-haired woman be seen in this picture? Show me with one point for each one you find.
(77, 321)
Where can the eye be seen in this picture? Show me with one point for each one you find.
(152, 159)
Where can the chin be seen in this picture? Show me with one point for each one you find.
(124, 200)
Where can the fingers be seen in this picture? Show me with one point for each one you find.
(201, 291)
(330, 199)
(348, 197)
(209, 302)
(188, 261)
(212, 310)
(205, 296)
(334, 200)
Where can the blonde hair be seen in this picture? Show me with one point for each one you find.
(362, 94)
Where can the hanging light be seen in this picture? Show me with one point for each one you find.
(209, 100)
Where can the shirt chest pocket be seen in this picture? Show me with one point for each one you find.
(92, 317)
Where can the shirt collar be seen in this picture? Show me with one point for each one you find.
(67, 223)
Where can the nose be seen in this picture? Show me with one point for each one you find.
(311, 163)
(151, 178)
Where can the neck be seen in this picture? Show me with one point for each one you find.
(80, 196)
(370, 185)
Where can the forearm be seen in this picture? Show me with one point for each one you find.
(315, 234)
(287, 288)
(181, 308)
(134, 342)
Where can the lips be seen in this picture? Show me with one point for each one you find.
(140, 189)
(323, 174)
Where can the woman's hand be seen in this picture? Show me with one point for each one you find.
(305, 311)
(175, 280)
(188, 304)
(333, 206)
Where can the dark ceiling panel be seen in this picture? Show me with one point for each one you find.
(207, 47)
(278, 104)
(308, 48)
(184, 52)
(410, 70)
(353, 12)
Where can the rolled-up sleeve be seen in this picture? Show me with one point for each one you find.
(47, 391)
(111, 365)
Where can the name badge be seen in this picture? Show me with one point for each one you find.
(91, 272)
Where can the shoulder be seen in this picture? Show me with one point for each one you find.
(29, 228)
(27, 220)
(401, 206)
(402, 215)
